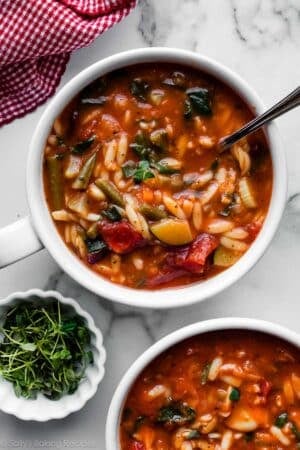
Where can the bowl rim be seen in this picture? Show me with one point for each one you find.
(198, 328)
(168, 297)
(99, 363)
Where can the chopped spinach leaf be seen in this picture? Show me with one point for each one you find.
(139, 88)
(113, 214)
(281, 420)
(200, 100)
(82, 146)
(95, 245)
(234, 395)
(176, 413)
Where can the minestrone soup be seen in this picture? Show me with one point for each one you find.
(217, 391)
(136, 185)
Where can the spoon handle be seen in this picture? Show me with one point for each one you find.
(286, 104)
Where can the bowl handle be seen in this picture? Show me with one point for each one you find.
(18, 240)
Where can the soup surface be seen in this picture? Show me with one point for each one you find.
(137, 187)
(218, 391)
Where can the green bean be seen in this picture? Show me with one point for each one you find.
(54, 168)
(110, 191)
(85, 173)
(152, 212)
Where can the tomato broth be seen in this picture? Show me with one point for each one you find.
(137, 187)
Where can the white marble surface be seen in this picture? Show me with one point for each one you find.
(260, 39)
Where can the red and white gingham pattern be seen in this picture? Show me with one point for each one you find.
(36, 37)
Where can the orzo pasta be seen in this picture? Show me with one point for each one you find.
(131, 168)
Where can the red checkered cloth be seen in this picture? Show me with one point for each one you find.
(36, 38)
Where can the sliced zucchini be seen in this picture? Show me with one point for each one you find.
(224, 257)
(172, 231)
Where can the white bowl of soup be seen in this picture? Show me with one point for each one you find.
(219, 384)
(127, 189)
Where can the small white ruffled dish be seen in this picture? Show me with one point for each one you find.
(43, 409)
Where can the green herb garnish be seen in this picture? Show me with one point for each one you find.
(82, 146)
(43, 350)
(234, 395)
(142, 172)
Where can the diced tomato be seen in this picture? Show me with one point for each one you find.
(193, 257)
(253, 229)
(136, 445)
(121, 237)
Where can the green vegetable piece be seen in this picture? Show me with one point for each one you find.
(200, 100)
(204, 373)
(54, 169)
(69, 325)
(159, 138)
(163, 168)
(234, 395)
(62, 354)
(187, 109)
(129, 169)
(82, 181)
(176, 413)
(110, 191)
(249, 436)
(177, 80)
(142, 146)
(281, 420)
(60, 141)
(95, 245)
(82, 146)
(139, 88)
(193, 434)
(152, 212)
(113, 214)
(142, 172)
